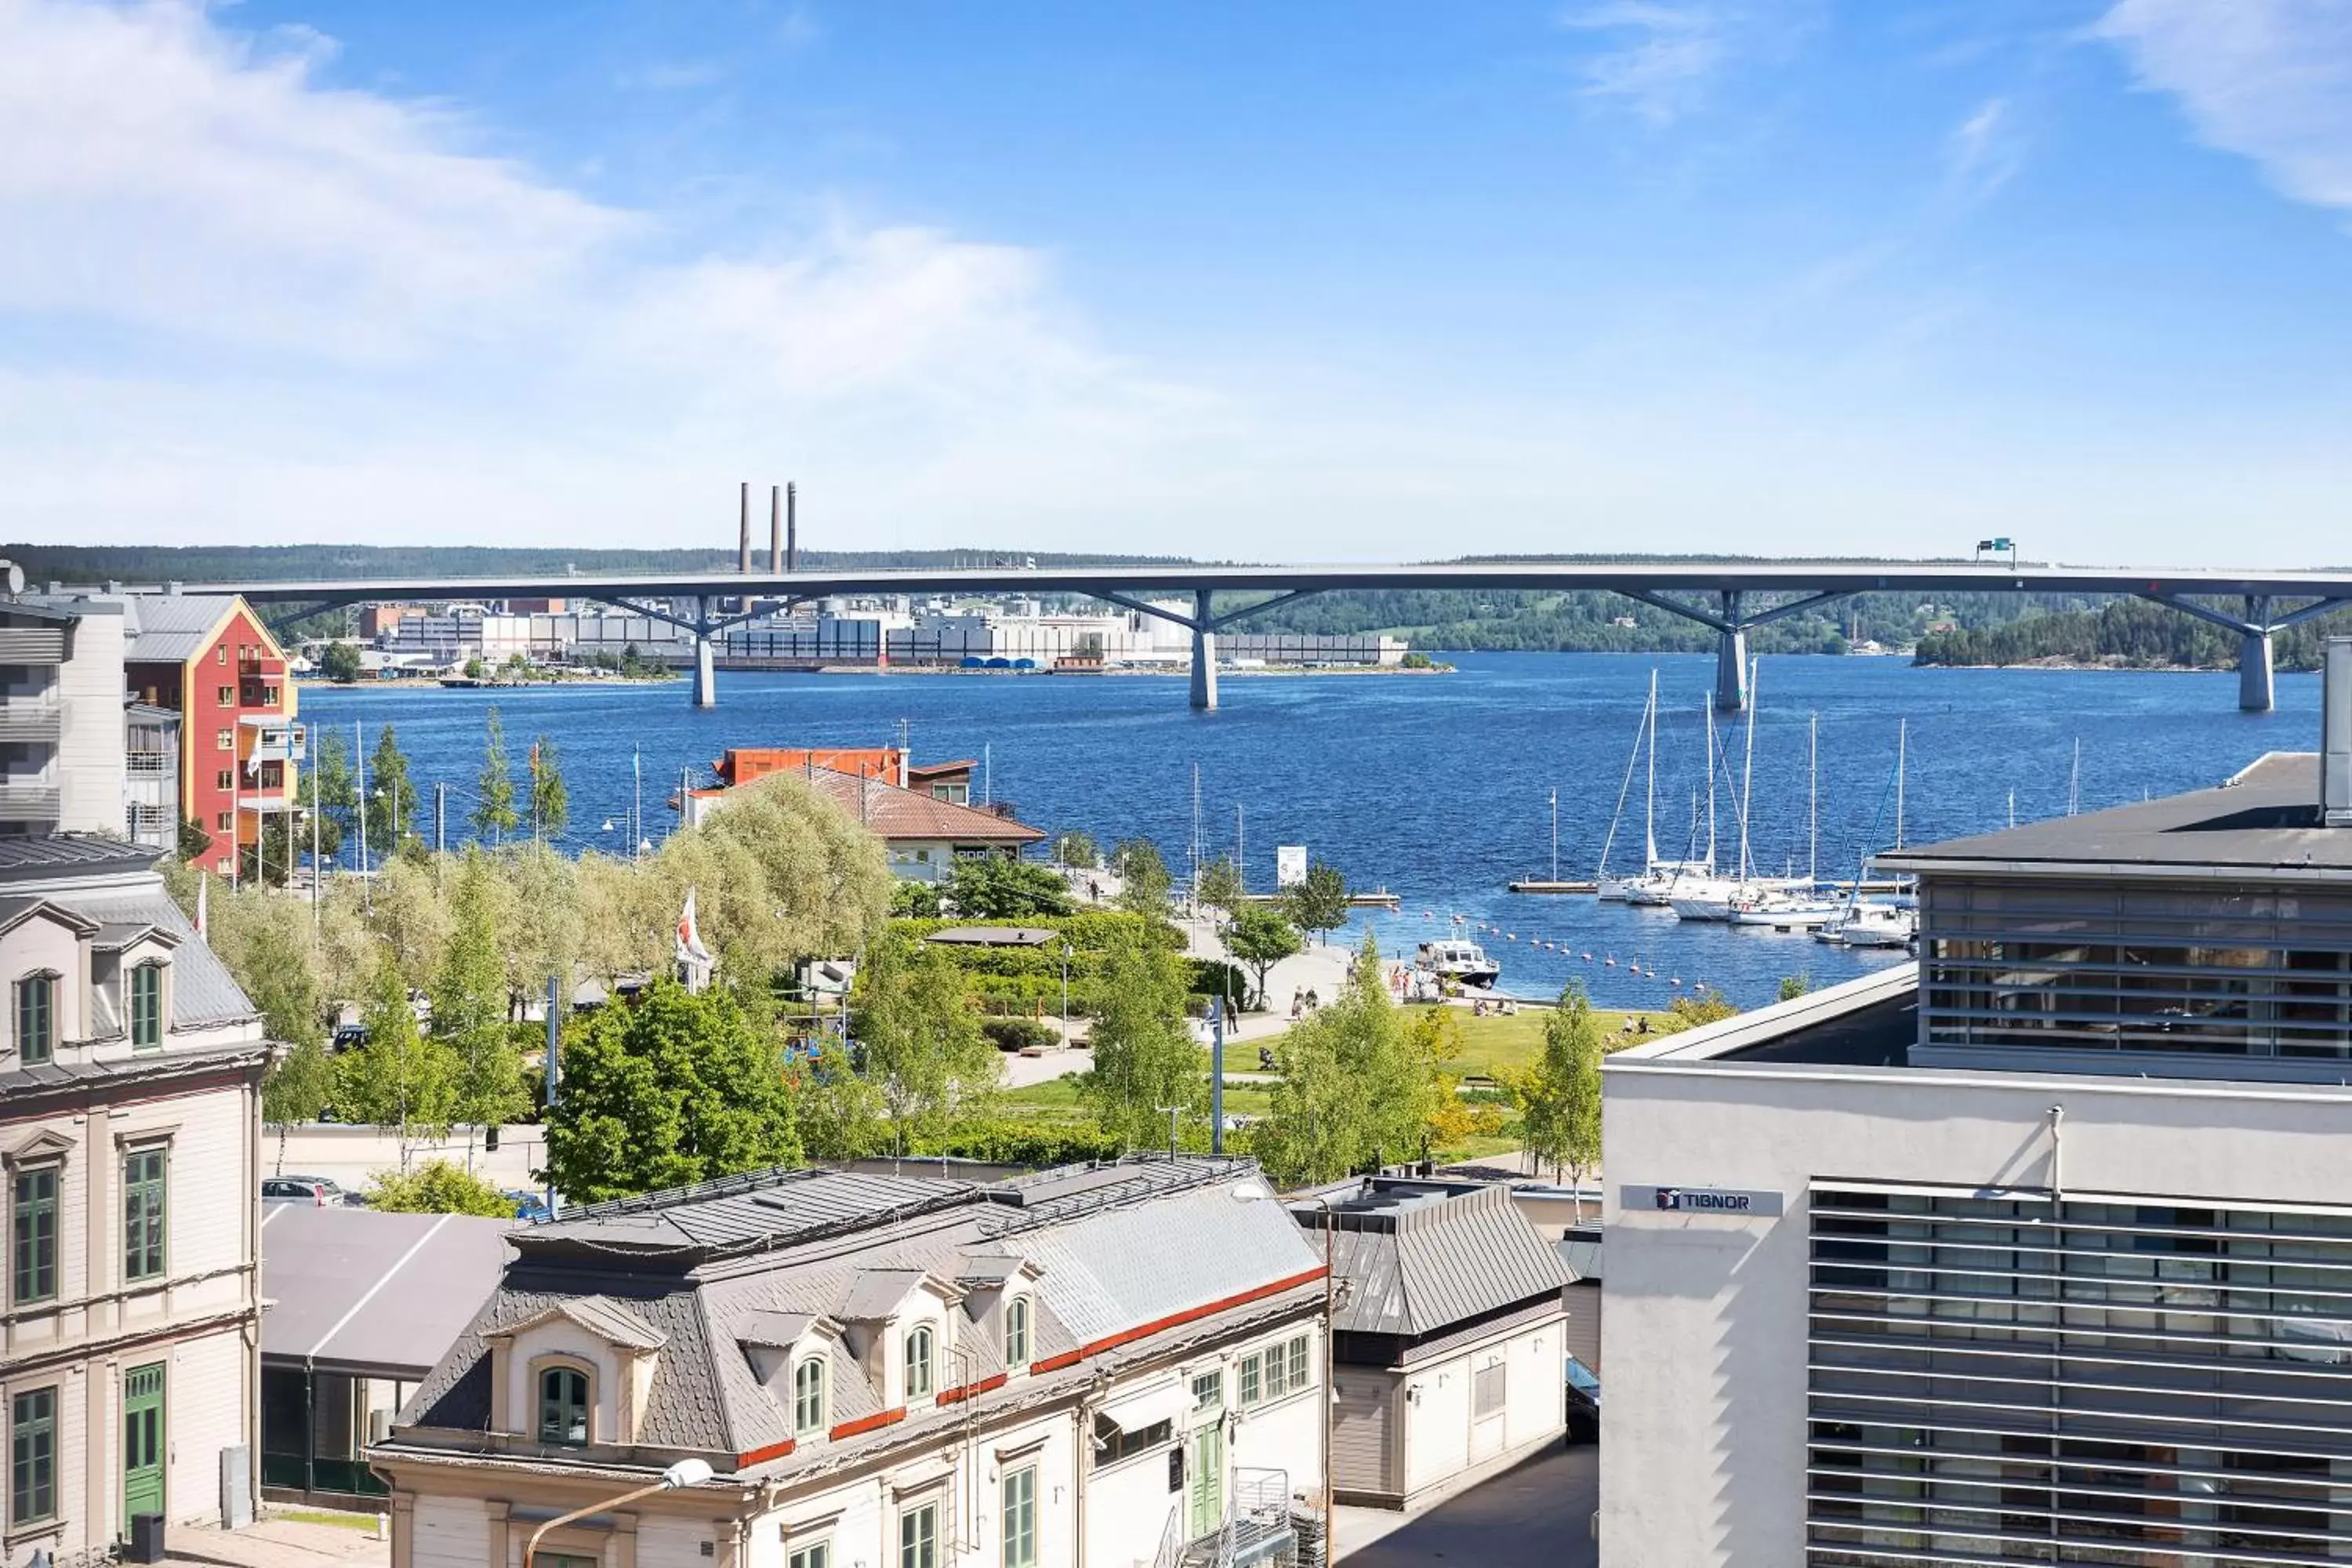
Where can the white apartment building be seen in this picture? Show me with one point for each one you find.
(1091, 1367)
(2037, 1252)
(129, 1134)
(61, 723)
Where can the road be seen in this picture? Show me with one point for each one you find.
(1537, 1514)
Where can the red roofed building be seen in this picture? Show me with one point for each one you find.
(925, 829)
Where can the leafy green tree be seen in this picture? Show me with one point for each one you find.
(326, 788)
(914, 901)
(919, 1043)
(1221, 885)
(837, 1109)
(399, 1080)
(494, 791)
(1144, 1056)
(1143, 878)
(299, 1088)
(1795, 985)
(680, 1088)
(540, 921)
(1262, 938)
(994, 889)
(1435, 1042)
(1351, 1092)
(1559, 1094)
(438, 1188)
(340, 662)
(551, 803)
(1077, 850)
(195, 841)
(470, 1007)
(392, 796)
(1701, 1006)
(780, 874)
(1318, 903)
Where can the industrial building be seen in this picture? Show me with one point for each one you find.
(2037, 1252)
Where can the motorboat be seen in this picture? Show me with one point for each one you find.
(1786, 912)
(1893, 928)
(1458, 959)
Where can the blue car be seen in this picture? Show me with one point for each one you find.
(529, 1206)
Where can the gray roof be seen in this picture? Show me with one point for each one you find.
(878, 1293)
(375, 1294)
(746, 1213)
(147, 1067)
(170, 629)
(45, 855)
(203, 992)
(2264, 820)
(1423, 1256)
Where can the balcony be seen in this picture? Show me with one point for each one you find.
(267, 740)
(30, 724)
(28, 803)
(32, 645)
(1262, 1526)
(150, 765)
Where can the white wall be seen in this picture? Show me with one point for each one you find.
(1706, 1325)
(448, 1533)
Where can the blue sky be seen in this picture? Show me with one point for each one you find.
(1305, 281)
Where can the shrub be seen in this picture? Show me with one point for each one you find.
(1020, 1033)
(1024, 1142)
(438, 1188)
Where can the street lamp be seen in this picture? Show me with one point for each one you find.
(1067, 951)
(684, 1473)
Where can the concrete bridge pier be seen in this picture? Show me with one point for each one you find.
(2257, 685)
(705, 676)
(1730, 659)
(1204, 655)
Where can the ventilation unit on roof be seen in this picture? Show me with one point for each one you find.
(2335, 734)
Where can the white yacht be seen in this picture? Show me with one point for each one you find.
(1459, 959)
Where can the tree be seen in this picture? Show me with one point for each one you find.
(1077, 850)
(402, 904)
(1795, 985)
(398, 1080)
(1221, 885)
(1702, 1006)
(680, 1088)
(780, 874)
(994, 889)
(340, 662)
(1143, 878)
(1435, 1042)
(494, 791)
(1262, 938)
(195, 843)
(542, 931)
(1351, 1092)
(914, 901)
(1559, 1095)
(1144, 1056)
(919, 1041)
(837, 1109)
(1317, 902)
(438, 1188)
(469, 1011)
(299, 1088)
(392, 796)
(551, 803)
(326, 790)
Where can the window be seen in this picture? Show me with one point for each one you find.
(37, 1019)
(1274, 1371)
(1113, 1442)
(142, 1213)
(270, 697)
(147, 1005)
(1016, 1331)
(1021, 1518)
(563, 1406)
(1486, 1390)
(1253, 1378)
(808, 1396)
(227, 695)
(224, 740)
(225, 821)
(33, 1235)
(1296, 1356)
(224, 779)
(918, 1536)
(816, 1555)
(33, 1457)
(1208, 1390)
(919, 1364)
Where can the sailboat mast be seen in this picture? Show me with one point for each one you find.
(1650, 801)
(1747, 774)
(1555, 834)
(1710, 791)
(1902, 749)
(1813, 801)
(2074, 781)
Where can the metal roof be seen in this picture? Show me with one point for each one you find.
(171, 629)
(46, 853)
(202, 990)
(376, 1294)
(1423, 1256)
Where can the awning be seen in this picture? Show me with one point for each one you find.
(1139, 1412)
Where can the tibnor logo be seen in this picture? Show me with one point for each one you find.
(1673, 1199)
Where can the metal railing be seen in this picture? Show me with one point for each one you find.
(1258, 1528)
(28, 803)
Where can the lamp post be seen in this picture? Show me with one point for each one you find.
(684, 1473)
(1068, 951)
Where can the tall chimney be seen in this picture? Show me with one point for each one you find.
(792, 526)
(2335, 734)
(743, 544)
(775, 528)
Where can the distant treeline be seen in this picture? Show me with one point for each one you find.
(2129, 632)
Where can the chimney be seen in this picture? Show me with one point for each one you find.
(2335, 734)
(775, 529)
(792, 526)
(744, 544)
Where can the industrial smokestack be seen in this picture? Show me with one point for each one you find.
(2335, 734)
(775, 528)
(743, 545)
(792, 526)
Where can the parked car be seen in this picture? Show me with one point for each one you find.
(324, 1192)
(1583, 1403)
(528, 1205)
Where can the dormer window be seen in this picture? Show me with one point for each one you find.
(809, 1380)
(919, 1364)
(37, 1019)
(1016, 1331)
(147, 1005)
(563, 1406)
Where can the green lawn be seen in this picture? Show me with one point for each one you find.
(1488, 1043)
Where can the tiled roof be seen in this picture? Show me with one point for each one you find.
(896, 813)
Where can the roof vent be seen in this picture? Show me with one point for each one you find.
(2335, 735)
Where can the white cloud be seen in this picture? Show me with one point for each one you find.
(2270, 79)
(1983, 152)
(1663, 61)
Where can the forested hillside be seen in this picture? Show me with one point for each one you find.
(2128, 631)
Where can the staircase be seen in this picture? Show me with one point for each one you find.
(1259, 1527)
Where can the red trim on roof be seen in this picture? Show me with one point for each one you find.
(872, 1422)
(971, 1390)
(746, 1459)
(1144, 1330)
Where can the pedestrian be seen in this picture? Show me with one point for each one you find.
(1313, 1002)
(1297, 1002)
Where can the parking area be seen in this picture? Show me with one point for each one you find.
(1538, 1514)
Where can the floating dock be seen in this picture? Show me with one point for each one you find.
(1378, 899)
(1538, 885)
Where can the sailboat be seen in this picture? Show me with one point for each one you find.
(1616, 888)
(1795, 908)
(1665, 879)
(1713, 899)
(1881, 923)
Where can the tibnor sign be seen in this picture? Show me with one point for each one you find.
(1699, 1200)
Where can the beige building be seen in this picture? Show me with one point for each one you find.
(1090, 1367)
(128, 1138)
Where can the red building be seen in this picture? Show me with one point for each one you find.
(209, 658)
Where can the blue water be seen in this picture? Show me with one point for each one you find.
(1437, 787)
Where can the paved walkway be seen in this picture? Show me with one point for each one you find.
(1538, 1514)
(281, 1542)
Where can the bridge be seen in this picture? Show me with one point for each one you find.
(1730, 598)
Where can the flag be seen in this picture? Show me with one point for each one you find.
(690, 935)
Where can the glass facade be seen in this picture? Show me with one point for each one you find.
(2221, 971)
(2009, 1379)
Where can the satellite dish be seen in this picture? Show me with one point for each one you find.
(15, 578)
